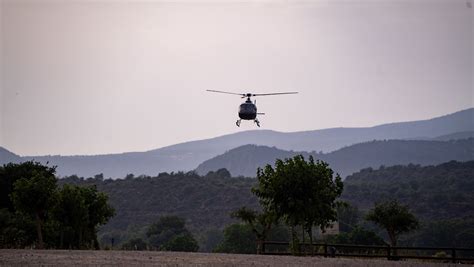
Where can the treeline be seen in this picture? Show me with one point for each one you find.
(204, 201)
(167, 234)
(36, 212)
(437, 192)
(440, 196)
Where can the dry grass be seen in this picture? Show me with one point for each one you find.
(126, 258)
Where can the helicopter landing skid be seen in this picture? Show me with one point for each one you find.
(238, 123)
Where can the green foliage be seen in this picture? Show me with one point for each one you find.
(60, 218)
(393, 217)
(10, 173)
(35, 195)
(16, 230)
(205, 202)
(445, 233)
(182, 242)
(164, 230)
(279, 232)
(437, 192)
(79, 211)
(440, 196)
(301, 192)
(357, 236)
(170, 233)
(261, 223)
(348, 217)
(238, 239)
(220, 173)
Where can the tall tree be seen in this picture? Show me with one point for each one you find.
(299, 191)
(99, 212)
(71, 213)
(35, 195)
(79, 211)
(393, 217)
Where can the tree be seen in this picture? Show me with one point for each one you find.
(16, 229)
(348, 217)
(12, 172)
(63, 218)
(238, 238)
(79, 211)
(71, 212)
(301, 192)
(99, 212)
(35, 195)
(170, 233)
(182, 242)
(393, 217)
(261, 223)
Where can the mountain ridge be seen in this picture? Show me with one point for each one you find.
(188, 155)
(244, 160)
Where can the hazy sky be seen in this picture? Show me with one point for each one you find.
(89, 77)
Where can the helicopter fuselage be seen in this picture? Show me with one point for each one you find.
(248, 110)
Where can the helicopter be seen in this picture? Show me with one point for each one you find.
(248, 110)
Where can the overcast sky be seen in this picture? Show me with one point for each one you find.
(90, 77)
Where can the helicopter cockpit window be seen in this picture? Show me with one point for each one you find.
(246, 108)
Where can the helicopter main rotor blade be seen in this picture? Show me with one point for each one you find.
(223, 92)
(285, 93)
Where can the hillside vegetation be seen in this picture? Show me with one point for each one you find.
(433, 193)
(204, 201)
(245, 160)
(445, 191)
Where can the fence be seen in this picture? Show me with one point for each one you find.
(391, 253)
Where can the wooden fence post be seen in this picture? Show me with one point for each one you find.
(388, 252)
(325, 250)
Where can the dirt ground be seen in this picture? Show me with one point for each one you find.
(127, 258)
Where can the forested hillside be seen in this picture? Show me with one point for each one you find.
(246, 159)
(433, 193)
(205, 202)
(445, 191)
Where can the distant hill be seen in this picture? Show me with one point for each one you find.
(456, 136)
(187, 156)
(246, 159)
(7, 157)
(445, 191)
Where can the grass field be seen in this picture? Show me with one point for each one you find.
(126, 258)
